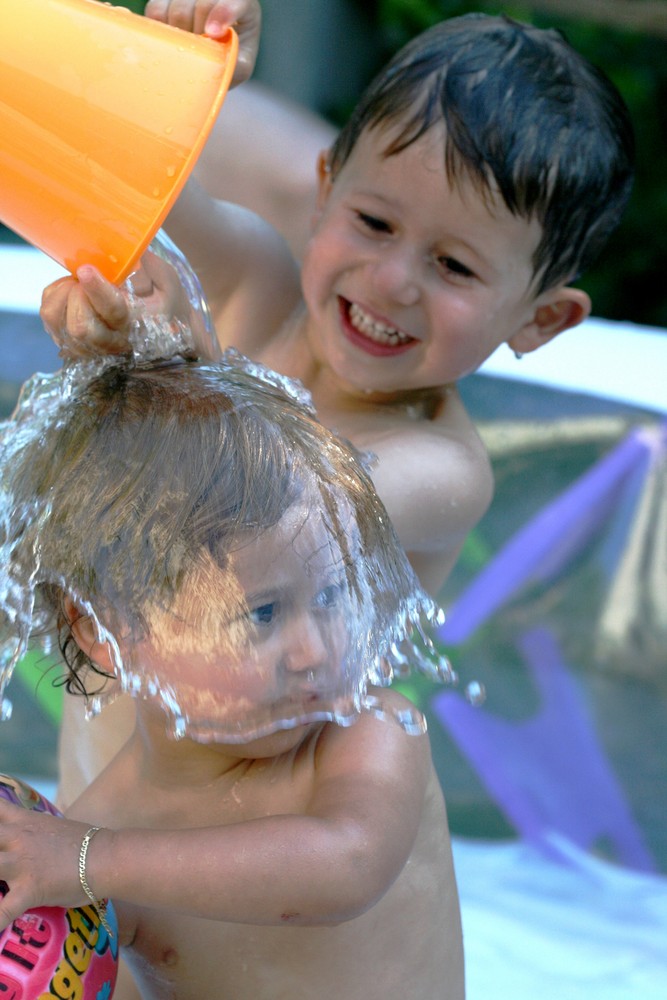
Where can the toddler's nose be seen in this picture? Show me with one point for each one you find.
(306, 649)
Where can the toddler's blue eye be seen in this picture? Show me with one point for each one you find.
(329, 597)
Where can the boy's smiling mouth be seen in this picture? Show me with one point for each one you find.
(371, 334)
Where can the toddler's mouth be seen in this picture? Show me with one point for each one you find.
(370, 333)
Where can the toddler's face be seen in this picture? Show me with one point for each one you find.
(411, 282)
(264, 643)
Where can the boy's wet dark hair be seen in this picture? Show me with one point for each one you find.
(525, 115)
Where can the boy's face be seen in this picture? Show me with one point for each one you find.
(280, 653)
(409, 281)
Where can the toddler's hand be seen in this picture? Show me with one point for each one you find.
(39, 859)
(213, 17)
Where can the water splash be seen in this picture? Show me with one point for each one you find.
(384, 615)
(157, 336)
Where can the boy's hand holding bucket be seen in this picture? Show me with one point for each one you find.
(103, 114)
(214, 18)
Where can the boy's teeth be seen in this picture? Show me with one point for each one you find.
(379, 332)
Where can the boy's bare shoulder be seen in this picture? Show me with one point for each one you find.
(435, 479)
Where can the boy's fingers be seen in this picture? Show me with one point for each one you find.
(245, 16)
(214, 17)
(190, 15)
(86, 317)
(160, 10)
(96, 317)
(106, 299)
(53, 308)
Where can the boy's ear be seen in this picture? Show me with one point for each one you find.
(324, 181)
(85, 637)
(556, 310)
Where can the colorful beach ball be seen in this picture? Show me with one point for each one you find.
(52, 951)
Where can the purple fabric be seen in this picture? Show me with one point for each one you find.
(549, 772)
(547, 543)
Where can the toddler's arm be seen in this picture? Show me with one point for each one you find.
(326, 865)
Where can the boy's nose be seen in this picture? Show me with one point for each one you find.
(395, 275)
(306, 649)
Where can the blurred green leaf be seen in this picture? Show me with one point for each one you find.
(136, 5)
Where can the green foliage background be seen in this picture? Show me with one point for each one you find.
(136, 5)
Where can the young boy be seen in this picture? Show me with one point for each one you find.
(267, 830)
(479, 174)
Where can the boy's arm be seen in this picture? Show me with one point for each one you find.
(249, 278)
(262, 153)
(247, 272)
(329, 864)
(248, 275)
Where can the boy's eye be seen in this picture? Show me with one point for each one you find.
(453, 266)
(373, 223)
(264, 614)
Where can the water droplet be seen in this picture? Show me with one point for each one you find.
(171, 171)
(475, 693)
(169, 129)
(156, 192)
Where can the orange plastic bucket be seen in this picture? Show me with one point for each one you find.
(102, 116)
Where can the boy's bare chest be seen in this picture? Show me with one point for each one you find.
(337, 401)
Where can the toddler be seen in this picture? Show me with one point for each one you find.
(274, 825)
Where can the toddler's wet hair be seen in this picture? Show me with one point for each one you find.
(149, 469)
